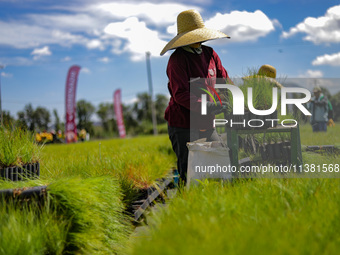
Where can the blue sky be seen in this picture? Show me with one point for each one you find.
(40, 40)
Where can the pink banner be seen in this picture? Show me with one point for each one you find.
(70, 104)
(119, 113)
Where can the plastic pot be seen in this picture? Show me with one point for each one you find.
(20, 173)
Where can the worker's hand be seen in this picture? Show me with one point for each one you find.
(216, 109)
(225, 105)
(330, 123)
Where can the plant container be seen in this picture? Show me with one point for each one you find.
(20, 173)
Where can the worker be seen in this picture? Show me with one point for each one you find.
(190, 61)
(82, 135)
(319, 107)
(266, 72)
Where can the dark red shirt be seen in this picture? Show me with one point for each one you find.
(182, 67)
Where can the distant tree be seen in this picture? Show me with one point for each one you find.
(326, 92)
(33, 119)
(161, 104)
(141, 111)
(41, 118)
(106, 114)
(7, 119)
(335, 101)
(85, 111)
(57, 124)
(21, 121)
(130, 120)
(29, 117)
(142, 107)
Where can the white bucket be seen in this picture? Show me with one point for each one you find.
(208, 160)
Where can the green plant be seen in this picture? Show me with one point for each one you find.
(275, 137)
(90, 187)
(259, 216)
(94, 210)
(262, 91)
(17, 147)
(269, 138)
(79, 215)
(331, 137)
(139, 160)
(27, 228)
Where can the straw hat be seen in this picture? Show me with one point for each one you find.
(317, 89)
(191, 29)
(267, 72)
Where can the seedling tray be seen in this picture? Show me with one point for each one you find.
(20, 173)
(25, 194)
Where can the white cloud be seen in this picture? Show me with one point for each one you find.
(77, 22)
(31, 35)
(126, 27)
(332, 60)
(95, 44)
(67, 39)
(6, 75)
(104, 60)
(44, 51)
(85, 70)
(243, 26)
(38, 53)
(312, 74)
(325, 29)
(84, 25)
(22, 35)
(137, 36)
(157, 14)
(17, 61)
(66, 59)
(131, 101)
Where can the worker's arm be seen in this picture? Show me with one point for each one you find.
(179, 84)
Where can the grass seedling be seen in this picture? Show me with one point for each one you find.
(259, 216)
(17, 148)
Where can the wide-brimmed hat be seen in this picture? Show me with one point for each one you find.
(191, 29)
(266, 72)
(317, 89)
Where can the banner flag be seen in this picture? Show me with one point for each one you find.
(119, 112)
(70, 104)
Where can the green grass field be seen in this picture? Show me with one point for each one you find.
(79, 216)
(331, 137)
(91, 184)
(252, 216)
(261, 216)
(139, 161)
